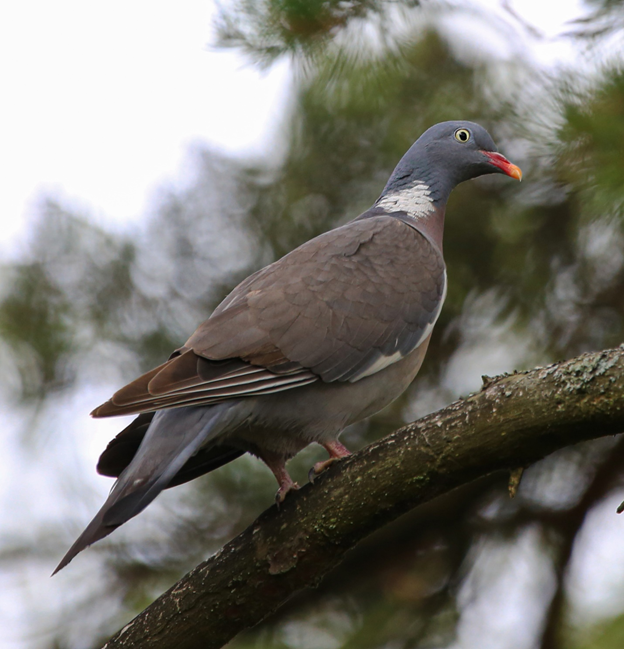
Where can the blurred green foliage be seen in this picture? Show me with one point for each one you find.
(268, 29)
(536, 273)
(608, 635)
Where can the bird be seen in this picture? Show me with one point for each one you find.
(320, 339)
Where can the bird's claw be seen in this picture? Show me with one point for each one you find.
(319, 467)
(283, 491)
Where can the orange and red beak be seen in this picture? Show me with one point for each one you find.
(506, 167)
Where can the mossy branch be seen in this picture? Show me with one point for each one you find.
(514, 421)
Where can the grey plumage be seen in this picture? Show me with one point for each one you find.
(178, 435)
(322, 338)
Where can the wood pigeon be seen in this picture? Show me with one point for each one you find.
(318, 340)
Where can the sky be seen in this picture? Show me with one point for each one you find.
(100, 104)
(102, 100)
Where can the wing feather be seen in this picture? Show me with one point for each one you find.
(339, 308)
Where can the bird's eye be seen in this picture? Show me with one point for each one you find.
(462, 135)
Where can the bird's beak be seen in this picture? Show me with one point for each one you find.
(506, 167)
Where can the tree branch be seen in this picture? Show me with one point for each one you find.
(514, 421)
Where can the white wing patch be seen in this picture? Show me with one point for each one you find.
(383, 361)
(379, 364)
(436, 315)
(415, 200)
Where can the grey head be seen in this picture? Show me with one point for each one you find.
(444, 156)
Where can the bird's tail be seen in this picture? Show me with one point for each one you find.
(172, 438)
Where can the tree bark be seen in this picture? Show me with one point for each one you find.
(512, 422)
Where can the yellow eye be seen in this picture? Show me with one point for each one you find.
(462, 135)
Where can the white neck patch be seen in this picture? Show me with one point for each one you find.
(414, 200)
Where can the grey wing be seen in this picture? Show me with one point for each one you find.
(188, 379)
(339, 308)
(342, 306)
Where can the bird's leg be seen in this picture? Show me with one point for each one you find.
(278, 466)
(336, 451)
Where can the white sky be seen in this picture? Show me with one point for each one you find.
(100, 101)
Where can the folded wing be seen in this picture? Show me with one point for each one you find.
(338, 308)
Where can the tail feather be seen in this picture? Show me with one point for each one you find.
(122, 449)
(172, 438)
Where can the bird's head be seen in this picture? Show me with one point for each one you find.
(447, 154)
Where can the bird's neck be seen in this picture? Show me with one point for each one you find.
(423, 206)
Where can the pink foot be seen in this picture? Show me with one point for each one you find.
(336, 451)
(284, 489)
(277, 465)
